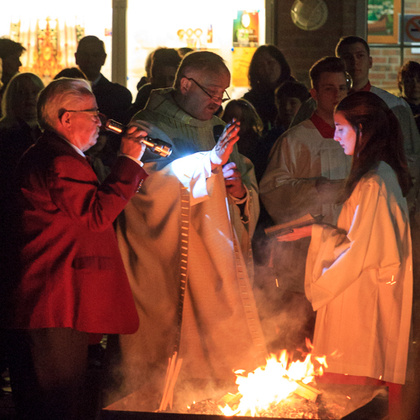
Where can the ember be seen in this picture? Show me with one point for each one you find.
(293, 407)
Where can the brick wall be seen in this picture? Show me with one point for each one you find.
(384, 71)
(387, 61)
(302, 48)
(411, 7)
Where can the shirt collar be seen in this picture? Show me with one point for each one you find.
(74, 147)
(365, 88)
(322, 126)
(96, 81)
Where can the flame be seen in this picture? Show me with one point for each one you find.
(269, 385)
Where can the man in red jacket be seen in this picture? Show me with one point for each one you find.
(71, 280)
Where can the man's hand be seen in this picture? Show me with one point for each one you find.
(233, 181)
(131, 142)
(224, 147)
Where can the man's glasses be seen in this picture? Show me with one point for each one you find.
(92, 111)
(215, 98)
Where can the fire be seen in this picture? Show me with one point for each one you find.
(267, 386)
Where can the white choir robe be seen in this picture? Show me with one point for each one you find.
(359, 280)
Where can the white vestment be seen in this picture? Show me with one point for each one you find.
(403, 112)
(182, 228)
(288, 190)
(359, 280)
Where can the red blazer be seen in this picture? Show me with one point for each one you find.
(71, 272)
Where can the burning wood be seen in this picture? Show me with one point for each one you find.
(275, 390)
(230, 399)
(306, 391)
(281, 389)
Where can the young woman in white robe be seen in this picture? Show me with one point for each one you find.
(359, 274)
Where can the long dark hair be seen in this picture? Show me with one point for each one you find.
(378, 138)
(253, 77)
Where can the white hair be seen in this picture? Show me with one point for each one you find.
(60, 95)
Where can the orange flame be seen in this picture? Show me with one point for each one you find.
(272, 383)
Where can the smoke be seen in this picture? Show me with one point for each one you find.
(286, 315)
(138, 386)
(133, 385)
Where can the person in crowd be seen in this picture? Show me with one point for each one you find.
(251, 129)
(289, 96)
(268, 70)
(19, 124)
(185, 241)
(305, 174)
(114, 100)
(307, 108)
(165, 62)
(409, 86)
(10, 53)
(358, 273)
(355, 52)
(18, 131)
(71, 72)
(182, 51)
(146, 77)
(255, 145)
(96, 349)
(69, 279)
(95, 152)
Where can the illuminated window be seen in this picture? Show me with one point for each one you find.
(197, 24)
(49, 31)
(394, 39)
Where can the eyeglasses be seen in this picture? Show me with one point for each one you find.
(225, 97)
(93, 111)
